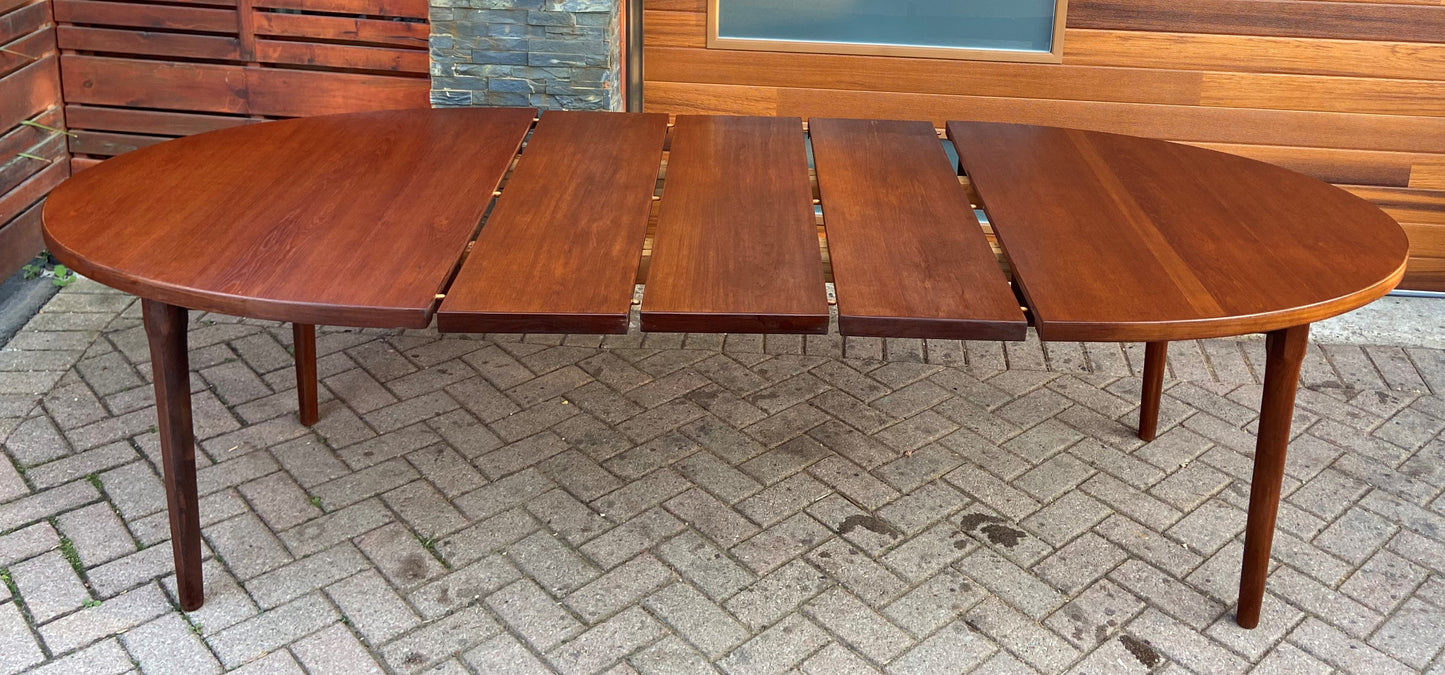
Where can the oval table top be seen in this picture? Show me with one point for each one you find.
(366, 220)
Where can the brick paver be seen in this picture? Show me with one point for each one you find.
(736, 504)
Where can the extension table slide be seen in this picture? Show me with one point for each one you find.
(375, 220)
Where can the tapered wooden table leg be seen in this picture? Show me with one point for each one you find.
(166, 331)
(1286, 351)
(304, 342)
(1156, 357)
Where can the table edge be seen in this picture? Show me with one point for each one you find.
(266, 309)
(860, 325)
(555, 323)
(1217, 327)
(705, 322)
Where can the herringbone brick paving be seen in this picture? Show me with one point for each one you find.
(669, 503)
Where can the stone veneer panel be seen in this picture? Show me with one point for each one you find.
(556, 54)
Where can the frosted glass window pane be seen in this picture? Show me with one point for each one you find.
(1015, 25)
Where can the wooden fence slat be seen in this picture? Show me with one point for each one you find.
(28, 91)
(78, 164)
(407, 9)
(343, 29)
(133, 15)
(32, 159)
(22, 21)
(152, 122)
(27, 50)
(342, 56)
(15, 169)
(7, 6)
(162, 85)
(303, 93)
(40, 184)
(20, 239)
(109, 144)
(247, 29)
(232, 4)
(21, 138)
(147, 43)
(235, 89)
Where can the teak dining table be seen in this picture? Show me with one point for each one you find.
(372, 220)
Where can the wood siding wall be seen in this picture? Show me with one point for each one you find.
(1350, 92)
(137, 73)
(32, 158)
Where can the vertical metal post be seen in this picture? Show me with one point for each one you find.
(633, 8)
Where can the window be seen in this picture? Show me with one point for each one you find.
(996, 30)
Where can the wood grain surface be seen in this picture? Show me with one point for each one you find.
(151, 122)
(216, 88)
(560, 251)
(165, 327)
(410, 9)
(1358, 20)
(1345, 91)
(33, 159)
(1128, 239)
(20, 239)
(134, 15)
(148, 43)
(352, 220)
(186, 61)
(736, 247)
(909, 257)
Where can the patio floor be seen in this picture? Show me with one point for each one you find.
(661, 503)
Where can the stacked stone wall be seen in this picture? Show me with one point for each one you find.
(554, 54)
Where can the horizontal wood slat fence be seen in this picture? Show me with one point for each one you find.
(134, 73)
(1352, 92)
(32, 149)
